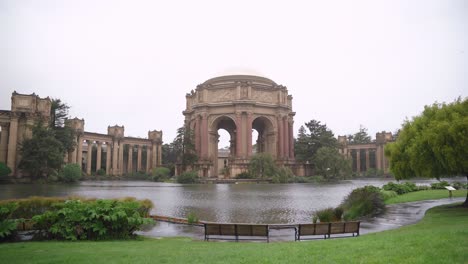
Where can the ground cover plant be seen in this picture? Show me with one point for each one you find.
(365, 201)
(424, 195)
(441, 237)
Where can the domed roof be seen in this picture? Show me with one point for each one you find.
(239, 78)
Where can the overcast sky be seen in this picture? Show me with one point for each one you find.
(131, 63)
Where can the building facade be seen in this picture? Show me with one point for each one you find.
(112, 152)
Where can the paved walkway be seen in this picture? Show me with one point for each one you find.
(396, 215)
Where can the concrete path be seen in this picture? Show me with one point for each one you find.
(396, 215)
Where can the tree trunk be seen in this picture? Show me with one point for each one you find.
(465, 204)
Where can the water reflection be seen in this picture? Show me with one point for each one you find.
(240, 203)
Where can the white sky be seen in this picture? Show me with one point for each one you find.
(130, 63)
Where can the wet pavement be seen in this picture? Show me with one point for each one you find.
(395, 216)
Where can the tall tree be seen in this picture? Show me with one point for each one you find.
(307, 143)
(331, 164)
(184, 147)
(262, 165)
(360, 137)
(433, 144)
(58, 113)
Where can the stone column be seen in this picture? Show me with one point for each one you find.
(159, 154)
(204, 136)
(12, 143)
(130, 159)
(378, 158)
(358, 160)
(249, 134)
(155, 156)
(98, 155)
(197, 135)
(115, 155)
(384, 160)
(286, 137)
(291, 140)
(367, 160)
(108, 158)
(280, 138)
(89, 157)
(148, 159)
(72, 154)
(121, 161)
(4, 142)
(79, 151)
(139, 159)
(238, 134)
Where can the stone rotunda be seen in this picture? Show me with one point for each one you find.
(240, 104)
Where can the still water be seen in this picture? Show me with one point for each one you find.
(238, 203)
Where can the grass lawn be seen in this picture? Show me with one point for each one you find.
(441, 237)
(424, 195)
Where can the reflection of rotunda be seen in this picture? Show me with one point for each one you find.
(239, 104)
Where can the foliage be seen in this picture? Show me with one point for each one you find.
(100, 219)
(58, 113)
(365, 201)
(41, 154)
(433, 144)
(101, 172)
(244, 175)
(160, 174)
(439, 185)
(424, 195)
(169, 154)
(331, 164)
(324, 215)
(400, 188)
(261, 165)
(7, 225)
(460, 185)
(187, 177)
(360, 137)
(70, 173)
(283, 175)
(307, 144)
(184, 147)
(192, 218)
(4, 170)
(388, 194)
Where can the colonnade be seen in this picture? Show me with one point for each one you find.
(285, 137)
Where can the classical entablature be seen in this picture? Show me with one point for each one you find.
(239, 104)
(16, 125)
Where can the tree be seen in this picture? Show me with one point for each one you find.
(433, 144)
(41, 154)
(261, 165)
(184, 147)
(307, 144)
(58, 113)
(331, 164)
(360, 137)
(4, 170)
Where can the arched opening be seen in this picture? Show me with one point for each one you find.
(223, 145)
(262, 136)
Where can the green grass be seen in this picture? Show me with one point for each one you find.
(424, 195)
(441, 237)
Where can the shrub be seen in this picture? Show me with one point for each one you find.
(7, 225)
(160, 174)
(4, 170)
(325, 215)
(70, 173)
(388, 194)
(400, 188)
(100, 219)
(439, 185)
(422, 187)
(282, 175)
(244, 175)
(192, 218)
(365, 201)
(300, 179)
(101, 172)
(188, 177)
(338, 213)
(459, 185)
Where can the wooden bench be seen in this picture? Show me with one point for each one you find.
(310, 231)
(236, 232)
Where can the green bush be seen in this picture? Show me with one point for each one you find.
(70, 173)
(422, 187)
(325, 215)
(96, 220)
(7, 225)
(400, 188)
(282, 175)
(160, 174)
(365, 201)
(101, 172)
(338, 214)
(300, 179)
(439, 185)
(459, 185)
(192, 218)
(4, 170)
(388, 194)
(188, 177)
(244, 175)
